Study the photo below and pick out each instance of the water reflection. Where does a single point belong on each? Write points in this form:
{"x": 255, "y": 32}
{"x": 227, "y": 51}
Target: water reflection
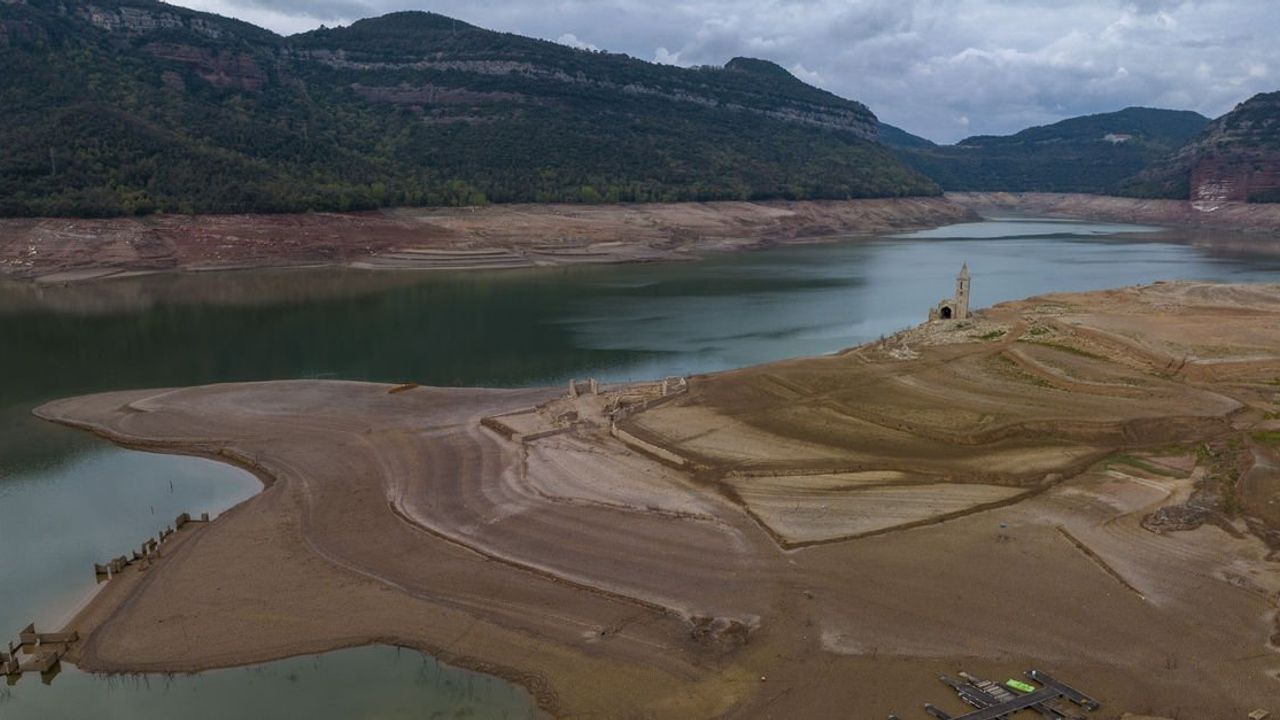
{"x": 369, "y": 682}
{"x": 94, "y": 502}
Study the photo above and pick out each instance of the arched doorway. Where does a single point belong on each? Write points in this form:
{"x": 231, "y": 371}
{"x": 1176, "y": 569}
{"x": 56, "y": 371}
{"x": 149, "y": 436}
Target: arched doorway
{"x": 946, "y": 312}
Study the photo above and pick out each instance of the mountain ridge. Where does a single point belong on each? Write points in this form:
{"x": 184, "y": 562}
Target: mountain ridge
{"x": 1089, "y": 153}
{"x": 134, "y": 106}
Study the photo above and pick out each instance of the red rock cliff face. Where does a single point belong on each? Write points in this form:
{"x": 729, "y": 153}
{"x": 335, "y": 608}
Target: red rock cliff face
{"x": 430, "y": 94}
{"x": 1236, "y": 178}
{"x": 1235, "y": 159}
{"x": 222, "y": 69}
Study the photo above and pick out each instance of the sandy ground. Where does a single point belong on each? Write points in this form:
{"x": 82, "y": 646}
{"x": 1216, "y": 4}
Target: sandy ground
{"x": 500, "y": 236}
{"x": 841, "y": 529}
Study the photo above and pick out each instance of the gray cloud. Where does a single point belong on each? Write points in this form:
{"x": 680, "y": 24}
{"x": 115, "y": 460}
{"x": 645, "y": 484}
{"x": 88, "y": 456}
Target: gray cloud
{"x": 941, "y": 68}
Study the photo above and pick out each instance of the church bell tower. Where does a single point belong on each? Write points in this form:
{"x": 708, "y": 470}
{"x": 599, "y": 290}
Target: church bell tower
{"x": 962, "y": 293}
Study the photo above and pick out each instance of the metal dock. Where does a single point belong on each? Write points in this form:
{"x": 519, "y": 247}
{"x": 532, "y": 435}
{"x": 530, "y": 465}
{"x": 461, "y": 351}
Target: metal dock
{"x": 1051, "y": 699}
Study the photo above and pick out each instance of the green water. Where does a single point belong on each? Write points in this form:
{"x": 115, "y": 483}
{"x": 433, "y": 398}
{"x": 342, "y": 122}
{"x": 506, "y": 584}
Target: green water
{"x": 67, "y": 499}
{"x": 371, "y": 682}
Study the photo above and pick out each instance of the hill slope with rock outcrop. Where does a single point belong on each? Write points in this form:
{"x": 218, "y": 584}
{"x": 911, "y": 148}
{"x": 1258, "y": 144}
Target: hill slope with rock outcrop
{"x": 1235, "y": 159}
{"x": 133, "y": 106}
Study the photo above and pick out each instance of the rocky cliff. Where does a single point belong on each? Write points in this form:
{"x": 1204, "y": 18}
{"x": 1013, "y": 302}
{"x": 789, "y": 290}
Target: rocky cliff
{"x": 1235, "y": 159}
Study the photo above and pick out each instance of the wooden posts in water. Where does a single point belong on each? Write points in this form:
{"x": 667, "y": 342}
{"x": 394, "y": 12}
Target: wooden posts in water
{"x": 146, "y": 553}
{"x": 8, "y": 666}
{"x": 41, "y": 662}
{"x": 40, "y": 658}
{"x": 185, "y": 518}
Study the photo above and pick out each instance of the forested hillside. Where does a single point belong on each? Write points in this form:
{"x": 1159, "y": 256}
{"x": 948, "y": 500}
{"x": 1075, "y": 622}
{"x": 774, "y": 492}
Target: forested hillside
{"x": 132, "y": 106}
{"x": 1090, "y": 154}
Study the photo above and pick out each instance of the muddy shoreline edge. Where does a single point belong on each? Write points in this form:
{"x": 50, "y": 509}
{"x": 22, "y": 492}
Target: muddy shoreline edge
{"x": 73, "y": 250}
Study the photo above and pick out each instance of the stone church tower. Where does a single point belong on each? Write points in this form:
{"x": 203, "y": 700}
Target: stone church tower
{"x": 957, "y": 307}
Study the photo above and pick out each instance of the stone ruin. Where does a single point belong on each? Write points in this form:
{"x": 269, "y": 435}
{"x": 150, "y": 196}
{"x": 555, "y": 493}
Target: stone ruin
{"x": 43, "y": 650}
{"x": 148, "y": 552}
{"x": 957, "y": 306}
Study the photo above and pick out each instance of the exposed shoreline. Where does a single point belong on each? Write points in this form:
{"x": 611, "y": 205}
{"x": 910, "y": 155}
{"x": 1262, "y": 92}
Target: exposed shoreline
{"x": 1260, "y": 218}
{"x": 398, "y": 518}
{"x": 68, "y": 250}
{"x": 63, "y": 250}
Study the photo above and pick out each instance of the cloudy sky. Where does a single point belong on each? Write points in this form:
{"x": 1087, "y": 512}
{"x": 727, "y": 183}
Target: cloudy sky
{"x": 943, "y": 69}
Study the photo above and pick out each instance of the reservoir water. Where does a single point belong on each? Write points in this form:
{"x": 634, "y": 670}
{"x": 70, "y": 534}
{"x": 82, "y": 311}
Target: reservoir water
{"x": 68, "y": 499}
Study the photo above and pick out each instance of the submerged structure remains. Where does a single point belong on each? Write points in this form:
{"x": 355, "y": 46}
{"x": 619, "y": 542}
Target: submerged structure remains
{"x": 956, "y": 307}
{"x": 995, "y": 700}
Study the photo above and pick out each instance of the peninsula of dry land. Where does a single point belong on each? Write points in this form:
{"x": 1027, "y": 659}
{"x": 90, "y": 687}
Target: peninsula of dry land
{"x": 1082, "y": 483}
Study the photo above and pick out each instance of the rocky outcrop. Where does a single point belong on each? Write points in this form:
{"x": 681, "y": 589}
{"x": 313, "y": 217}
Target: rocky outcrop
{"x": 429, "y": 94}
{"x": 1235, "y": 159}
{"x": 221, "y": 69}
{"x": 1242, "y": 176}
{"x": 141, "y": 20}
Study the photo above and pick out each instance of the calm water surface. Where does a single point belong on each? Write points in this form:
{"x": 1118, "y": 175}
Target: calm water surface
{"x": 67, "y": 500}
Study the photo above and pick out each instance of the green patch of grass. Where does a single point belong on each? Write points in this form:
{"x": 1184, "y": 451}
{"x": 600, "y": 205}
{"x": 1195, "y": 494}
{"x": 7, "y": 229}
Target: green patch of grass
{"x": 1038, "y": 330}
{"x": 992, "y": 335}
{"x": 1072, "y": 349}
{"x": 1126, "y": 459}
{"x": 1267, "y": 437}
{"x": 1016, "y": 370}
